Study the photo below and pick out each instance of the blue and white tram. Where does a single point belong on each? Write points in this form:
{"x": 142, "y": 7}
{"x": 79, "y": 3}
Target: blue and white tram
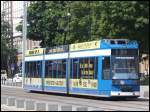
{"x": 106, "y": 68}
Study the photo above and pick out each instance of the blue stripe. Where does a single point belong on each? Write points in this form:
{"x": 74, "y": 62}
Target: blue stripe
{"x": 33, "y": 87}
{"x": 54, "y": 88}
{"x": 118, "y": 88}
{"x": 83, "y": 91}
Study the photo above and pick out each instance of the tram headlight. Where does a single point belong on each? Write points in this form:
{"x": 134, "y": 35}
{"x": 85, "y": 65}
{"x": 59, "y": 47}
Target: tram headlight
{"x": 118, "y": 82}
{"x": 122, "y": 82}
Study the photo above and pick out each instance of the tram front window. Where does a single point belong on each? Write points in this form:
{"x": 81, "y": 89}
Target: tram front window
{"x": 124, "y": 64}
{"x": 125, "y": 68}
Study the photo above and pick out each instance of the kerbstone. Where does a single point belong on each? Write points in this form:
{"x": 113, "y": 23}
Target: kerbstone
{"x": 3, "y": 100}
{"x": 20, "y": 103}
{"x": 52, "y": 107}
{"x": 30, "y": 105}
{"x": 82, "y": 109}
{"x": 11, "y": 101}
{"x": 66, "y": 108}
{"x": 40, "y": 107}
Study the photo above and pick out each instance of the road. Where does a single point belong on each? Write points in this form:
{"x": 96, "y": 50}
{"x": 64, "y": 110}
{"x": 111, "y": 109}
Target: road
{"x": 102, "y": 103}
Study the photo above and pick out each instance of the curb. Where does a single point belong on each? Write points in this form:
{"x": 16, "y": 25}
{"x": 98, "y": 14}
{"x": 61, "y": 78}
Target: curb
{"x": 19, "y": 104}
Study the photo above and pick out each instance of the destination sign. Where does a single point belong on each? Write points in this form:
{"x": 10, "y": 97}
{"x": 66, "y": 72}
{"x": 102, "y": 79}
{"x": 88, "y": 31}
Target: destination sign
{"x": 34, "y": 52}
{"x": 85, "y": 46}
{"x": 57, "y": 49}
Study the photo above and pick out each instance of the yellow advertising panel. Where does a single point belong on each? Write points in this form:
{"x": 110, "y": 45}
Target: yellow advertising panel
{"x": 33, "y": 81}
{"x": 36, "y": 81}
{"x": 85, "y": 46}
{"x": 27, "y": 81}
{"x": 55, "y": 82}
{"x": 84, "y": 83}
{"x": 34, "y": 52}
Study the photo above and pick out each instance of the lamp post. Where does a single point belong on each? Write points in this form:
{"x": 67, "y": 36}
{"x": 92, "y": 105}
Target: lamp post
{"x": 68, "y": 14}
{"x": 68, "y": 77}
{"x": 24, "y": 39}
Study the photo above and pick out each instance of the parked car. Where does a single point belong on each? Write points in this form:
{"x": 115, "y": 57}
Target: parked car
{"x": 3, "y": 74}
{"x": 17, "y": 77}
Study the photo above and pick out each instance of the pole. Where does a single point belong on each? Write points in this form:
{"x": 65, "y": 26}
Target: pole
{"x": 68, "y": 75}
{"x": 24, "y": 40}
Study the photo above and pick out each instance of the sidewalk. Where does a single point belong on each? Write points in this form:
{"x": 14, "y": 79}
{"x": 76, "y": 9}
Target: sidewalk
{"x": 144, "y": 92}
{"x": 11, "y": 108}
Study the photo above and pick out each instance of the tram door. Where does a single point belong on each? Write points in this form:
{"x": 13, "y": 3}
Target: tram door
{"x": 33, "y": 71}
{"x": 105, "y": 77}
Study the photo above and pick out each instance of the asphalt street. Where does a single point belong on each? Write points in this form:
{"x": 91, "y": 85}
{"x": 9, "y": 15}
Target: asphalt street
{"x": 102, "y": 103}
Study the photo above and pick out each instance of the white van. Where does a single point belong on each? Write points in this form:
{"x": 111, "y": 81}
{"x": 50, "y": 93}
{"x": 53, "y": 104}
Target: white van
{"x": 17, "y": 77}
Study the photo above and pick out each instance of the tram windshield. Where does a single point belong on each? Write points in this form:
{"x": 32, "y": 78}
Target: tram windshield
{"x": 125, "y": 66}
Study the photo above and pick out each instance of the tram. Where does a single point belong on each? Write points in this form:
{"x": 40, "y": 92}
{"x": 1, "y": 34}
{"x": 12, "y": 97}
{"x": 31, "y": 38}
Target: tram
{"x": 104, "y": 68}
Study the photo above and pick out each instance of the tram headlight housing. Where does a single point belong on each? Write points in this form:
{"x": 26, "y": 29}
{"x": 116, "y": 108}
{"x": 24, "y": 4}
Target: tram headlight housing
{"x": 122, "y": 82}
{"x": 116, "y": 82}
{"x": 136, "y": 82}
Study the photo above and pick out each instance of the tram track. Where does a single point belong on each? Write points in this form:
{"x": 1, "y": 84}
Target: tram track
{"x": 103, "y": 104}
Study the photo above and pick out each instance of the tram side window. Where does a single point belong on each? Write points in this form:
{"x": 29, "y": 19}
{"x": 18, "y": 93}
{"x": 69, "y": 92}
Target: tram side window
{"x": 48, "y": 69}
{"x": 33, "y": 69}
{"x": 106, "y": 68}
{"x": 55, "y": 69}
{"x": 29, "y": 69}
{"x": 85, "y": 68}
{"x": 88, "y": 68}
{"x": 83, "y": 74}
{"x": 26, "y": 69}
{"x": 38, "y": 70}
{"x": 54, "y": 72}
{"x": 63, "y": 69}
{"x": 74, "y": 68}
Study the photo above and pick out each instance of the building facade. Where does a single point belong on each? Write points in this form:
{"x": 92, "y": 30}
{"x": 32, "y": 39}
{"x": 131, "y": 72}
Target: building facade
{"x": 14, "y": 15}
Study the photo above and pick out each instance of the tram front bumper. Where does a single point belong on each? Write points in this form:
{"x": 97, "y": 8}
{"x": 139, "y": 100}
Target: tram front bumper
{"x": 119, "y": 93}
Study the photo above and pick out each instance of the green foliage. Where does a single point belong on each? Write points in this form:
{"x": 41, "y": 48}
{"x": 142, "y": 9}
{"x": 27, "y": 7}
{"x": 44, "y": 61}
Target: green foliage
{"x": 8, "y": 53}
{"x": 145, "y": 81}
{"x": 88, "y": 20}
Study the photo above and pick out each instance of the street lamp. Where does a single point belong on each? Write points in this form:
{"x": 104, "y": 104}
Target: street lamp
{"x": 68, "y": 15}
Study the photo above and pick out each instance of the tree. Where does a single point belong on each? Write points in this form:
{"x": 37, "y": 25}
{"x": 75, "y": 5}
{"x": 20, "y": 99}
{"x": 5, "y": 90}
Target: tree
{"x": 131, "y": 18}
{"x": 8, "y": 54}
{"x": 89, "y": 20}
